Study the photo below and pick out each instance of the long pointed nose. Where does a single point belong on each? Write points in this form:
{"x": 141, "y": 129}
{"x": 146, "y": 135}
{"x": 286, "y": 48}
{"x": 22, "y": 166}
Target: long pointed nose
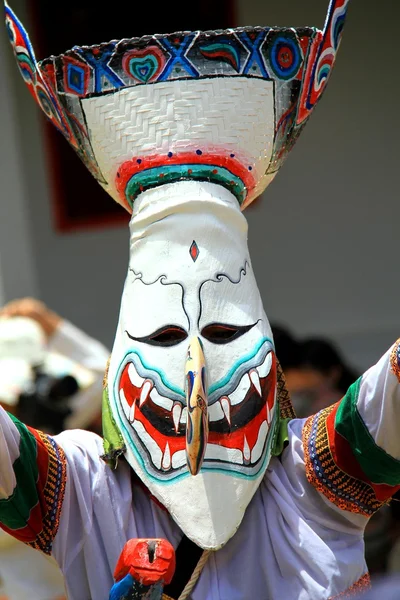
{"x": 196, "y": 399}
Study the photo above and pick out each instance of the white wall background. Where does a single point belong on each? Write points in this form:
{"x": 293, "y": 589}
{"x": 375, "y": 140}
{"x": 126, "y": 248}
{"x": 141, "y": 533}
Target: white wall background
{"x": 324, "y": 239}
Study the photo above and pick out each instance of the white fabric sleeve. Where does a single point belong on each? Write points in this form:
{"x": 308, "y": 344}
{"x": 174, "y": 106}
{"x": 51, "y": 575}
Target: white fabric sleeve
{"x": 32, "y": 483}
{"x": 352, "y": 448}
{"x": 95, "y": 498}
{"x": 9, "y": 452}
{"x": 378, "y": 401}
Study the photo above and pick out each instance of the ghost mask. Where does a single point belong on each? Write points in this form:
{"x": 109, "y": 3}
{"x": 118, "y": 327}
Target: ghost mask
{"x": 185, "y": 131}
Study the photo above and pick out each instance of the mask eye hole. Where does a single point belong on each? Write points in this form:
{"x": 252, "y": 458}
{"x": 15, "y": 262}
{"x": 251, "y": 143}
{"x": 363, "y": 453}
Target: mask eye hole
{"x": 170, "y": 335}
{"x": 222, "y": 333}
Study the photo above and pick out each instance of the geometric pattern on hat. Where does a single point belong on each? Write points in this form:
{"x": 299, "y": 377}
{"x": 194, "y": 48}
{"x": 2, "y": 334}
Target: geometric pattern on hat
{"x": 109, "y": 80}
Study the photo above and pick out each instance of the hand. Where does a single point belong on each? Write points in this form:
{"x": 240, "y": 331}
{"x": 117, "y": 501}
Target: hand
{"x": 33, "y": 309}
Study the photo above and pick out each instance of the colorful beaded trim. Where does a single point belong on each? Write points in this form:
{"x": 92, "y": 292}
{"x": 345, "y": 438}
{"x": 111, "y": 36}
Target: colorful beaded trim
{"x": 364, "y": 583}
{"x": 53, "y": 491}
{"x": 286, "y": 409}
{"x": 395, "y": 359}
{"x": 343, "y": 490}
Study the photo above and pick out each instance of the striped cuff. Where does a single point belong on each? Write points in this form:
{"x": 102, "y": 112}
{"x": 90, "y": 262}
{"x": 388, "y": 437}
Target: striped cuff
{"x": 343, "y": 462}
{"x": 32, "y": 513}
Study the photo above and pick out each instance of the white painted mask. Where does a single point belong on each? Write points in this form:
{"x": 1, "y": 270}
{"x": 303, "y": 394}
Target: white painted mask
{"x": 185, "y": 130}
{"x": 191, "y": 269}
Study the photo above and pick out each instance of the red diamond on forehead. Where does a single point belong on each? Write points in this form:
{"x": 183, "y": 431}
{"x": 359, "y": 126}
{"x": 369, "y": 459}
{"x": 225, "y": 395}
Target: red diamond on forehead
{"x": 194, "y": 251}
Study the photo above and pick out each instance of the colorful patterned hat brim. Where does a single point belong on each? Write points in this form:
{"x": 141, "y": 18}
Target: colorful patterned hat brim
{"x": 115, "y": 94}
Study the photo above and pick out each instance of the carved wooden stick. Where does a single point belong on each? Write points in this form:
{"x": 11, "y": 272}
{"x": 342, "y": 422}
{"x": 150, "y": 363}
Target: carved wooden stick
{"x": 196, "y": 399}
{"x": 143, "y": 568}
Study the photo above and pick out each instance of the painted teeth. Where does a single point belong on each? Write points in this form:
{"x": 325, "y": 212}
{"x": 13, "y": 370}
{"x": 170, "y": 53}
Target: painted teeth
{"x": 161, "y": 401}
{"x": 238, "y": 395}
{"x": 221, "y": 409}
{"x": 179, "y": 459}
{"x": 149, "y": 443}
{"x": 215, "y": 412}
{"x": 176, "y": 415}
{"x": 226, "y": 407}
{"x": 124, "y": 402}
{"x": 264, "y": 369}
{"x": 214, "y": 452}
{"x": 259, "y": 445}
{"x": 134, "y": 377}
{"x": 132, "y": 413}
{"x": 217, "y": 452}
{"x": 246, "y": 450}
{"x": 166, "y": 461}
{"x": 255, "y": 380}
{"x": 144, "y": 394}
{"x": 183, "y": 418}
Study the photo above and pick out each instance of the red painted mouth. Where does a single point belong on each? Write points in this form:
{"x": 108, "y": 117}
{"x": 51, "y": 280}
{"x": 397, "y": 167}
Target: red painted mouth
{"x": 238, "y": 424}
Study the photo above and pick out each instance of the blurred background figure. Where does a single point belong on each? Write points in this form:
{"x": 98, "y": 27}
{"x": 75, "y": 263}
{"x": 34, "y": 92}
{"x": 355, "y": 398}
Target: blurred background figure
{"x": 316, "y": 373}
{"x": 51, "y": 376}
{"x": 51, "y": 372}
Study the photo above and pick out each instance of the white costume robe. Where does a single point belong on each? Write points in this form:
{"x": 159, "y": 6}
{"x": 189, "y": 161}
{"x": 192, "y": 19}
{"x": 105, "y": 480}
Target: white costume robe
{"x": 301, "y": 536}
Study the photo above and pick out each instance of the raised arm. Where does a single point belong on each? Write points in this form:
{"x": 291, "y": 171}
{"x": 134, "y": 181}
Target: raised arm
{"x": 62, "y": 336}
{"x": 91, "y": 354}
{"x": 80, "y": 347}
{"x": 88, "y": 357}
{"x": 32, "y": 483}
{"x": 352, "y": 449}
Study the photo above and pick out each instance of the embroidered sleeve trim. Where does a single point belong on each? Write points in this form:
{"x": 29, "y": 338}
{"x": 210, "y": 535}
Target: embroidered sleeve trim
{"x": 363, "y": 584}
{"x": 53, "y": 492}
{"x": 286, "y": 410}
{"x": 395, "y": 360}
{"x": 349, "y": 429}
{"x": 32, "y": 513}
{"x": 342, "y": 489}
